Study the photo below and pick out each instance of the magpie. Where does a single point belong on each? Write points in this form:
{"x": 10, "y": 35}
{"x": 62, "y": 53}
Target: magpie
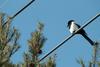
{"x": 74, "y": 27}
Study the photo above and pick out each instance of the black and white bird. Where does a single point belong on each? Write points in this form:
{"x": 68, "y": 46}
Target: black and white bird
{"x": 74, "y": 27}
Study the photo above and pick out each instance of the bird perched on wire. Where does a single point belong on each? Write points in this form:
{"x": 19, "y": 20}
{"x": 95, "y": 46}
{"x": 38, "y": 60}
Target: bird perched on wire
{"x": 74, "y": 27}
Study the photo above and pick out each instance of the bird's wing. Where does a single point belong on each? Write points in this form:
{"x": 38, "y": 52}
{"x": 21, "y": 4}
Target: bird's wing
{"x": 82, "y": 31}
{"x": 78, "y": 25}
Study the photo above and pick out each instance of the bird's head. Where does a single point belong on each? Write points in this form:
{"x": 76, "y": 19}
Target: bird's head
{"x": 69, "y": 23}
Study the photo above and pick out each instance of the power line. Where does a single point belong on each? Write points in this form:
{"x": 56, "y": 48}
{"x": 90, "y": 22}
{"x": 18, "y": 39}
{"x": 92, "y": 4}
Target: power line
{"x": 22, "y": 9}
{"x": 69, "y": 37}
{"x": 17, "y": 13}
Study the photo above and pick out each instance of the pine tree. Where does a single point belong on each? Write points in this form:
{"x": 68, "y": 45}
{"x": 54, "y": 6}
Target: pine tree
{"x": 8, "y": 41}
{"x": 36, "y": 43}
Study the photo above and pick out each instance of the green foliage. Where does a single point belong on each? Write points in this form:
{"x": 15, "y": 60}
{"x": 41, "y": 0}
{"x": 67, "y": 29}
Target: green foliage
{"x": 37, "y": 40}
{"x": 51, "y": 62}
{"x": 9, "y": 45}
{"x": 81, "y": 62}
{"x": 96, "y": 55}
{"x": 8, "y": 40}
{"x": 36, "y": 43}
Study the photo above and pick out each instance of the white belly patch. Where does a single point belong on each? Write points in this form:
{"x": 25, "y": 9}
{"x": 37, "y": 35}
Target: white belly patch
{"x": 73, "y": 28}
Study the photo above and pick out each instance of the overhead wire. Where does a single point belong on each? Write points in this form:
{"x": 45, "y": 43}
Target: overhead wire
{"x": 69, "y": 37}
{"x": 17, "y": 13}
{"x": 22, "y": 9}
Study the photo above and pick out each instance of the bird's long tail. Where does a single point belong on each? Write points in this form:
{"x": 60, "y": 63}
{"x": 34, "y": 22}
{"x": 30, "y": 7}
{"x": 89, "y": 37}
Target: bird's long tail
{"x": 88, "y": 39}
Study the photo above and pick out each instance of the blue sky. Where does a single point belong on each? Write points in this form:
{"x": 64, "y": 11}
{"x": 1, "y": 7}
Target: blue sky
{"x": 55, "y": 14}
